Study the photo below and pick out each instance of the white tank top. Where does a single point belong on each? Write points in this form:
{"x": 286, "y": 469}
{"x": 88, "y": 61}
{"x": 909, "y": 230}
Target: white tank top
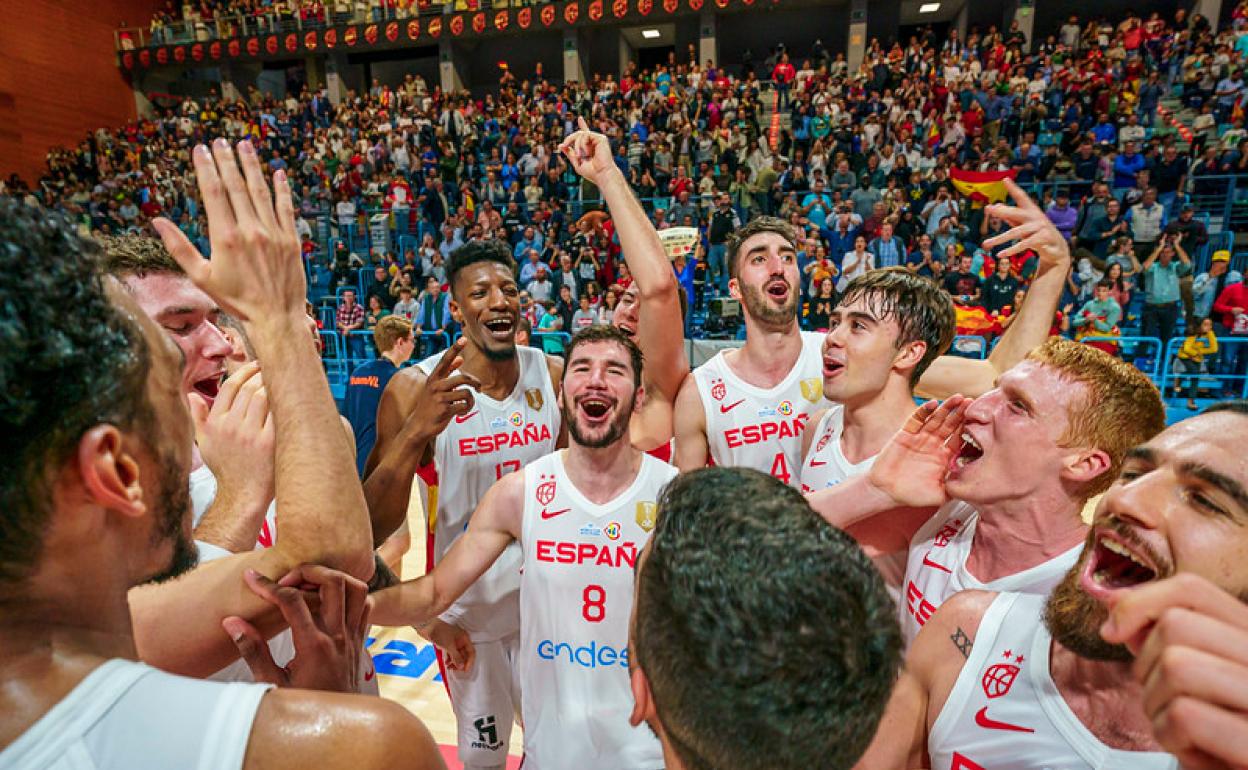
{"x": 826, "y": 466}
{"x": 936, "y": 567}
{"x": 204, "y": 491}
{"x": 129, "y": 715}
{"x": 471, "y": 454}
{"x": 576, "y": 596}
{"x": 758, "y": 428}
{"x": 1005, "y": 711}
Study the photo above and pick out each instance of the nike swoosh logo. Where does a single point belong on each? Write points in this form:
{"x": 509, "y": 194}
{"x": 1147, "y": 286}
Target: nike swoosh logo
{"x": 818, "y": 463}
{"x": 552, "y": 514}
{"x": 927, "y": 562}
{"x": 726, "y": 408}
{"x": 981, "y": 719}
{"x": 369, "y": 676}
{"x": 466, "y": 417}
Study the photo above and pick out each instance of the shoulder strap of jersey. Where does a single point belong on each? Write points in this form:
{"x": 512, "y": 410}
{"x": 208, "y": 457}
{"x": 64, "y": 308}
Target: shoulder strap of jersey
{"x": 990, "y": 628}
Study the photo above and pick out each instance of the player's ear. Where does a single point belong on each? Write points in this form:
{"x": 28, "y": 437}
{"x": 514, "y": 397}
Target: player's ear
{"x": 456, "y": 315}
{"x": 109, "y": 472}
{"x": 1084, "y": 465}
{"x": 910, "y": 355}
{"x": 643, "y": 702}
{"x": 734, "y": 288}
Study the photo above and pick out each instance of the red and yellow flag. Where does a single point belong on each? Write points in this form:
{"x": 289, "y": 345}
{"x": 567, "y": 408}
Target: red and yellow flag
{"x": 982, "y": 187}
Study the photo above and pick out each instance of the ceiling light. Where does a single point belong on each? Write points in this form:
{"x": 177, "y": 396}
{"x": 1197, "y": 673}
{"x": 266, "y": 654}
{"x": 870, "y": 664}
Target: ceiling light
{"x": 929, "y": 8}
{"x": 651, "y": 34}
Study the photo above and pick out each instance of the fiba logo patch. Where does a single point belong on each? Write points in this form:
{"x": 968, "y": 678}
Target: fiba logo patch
{"x": 517, "y": 419}
{"x": 785, "y": 408}
{"x": 545, "y": 489}
{"x": 612, "y": 530}
{"x": 487, "y": 734}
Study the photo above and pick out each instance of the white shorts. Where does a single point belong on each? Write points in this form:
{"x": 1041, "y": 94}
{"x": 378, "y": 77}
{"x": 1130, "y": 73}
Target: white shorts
{"x": 486, "y": 702}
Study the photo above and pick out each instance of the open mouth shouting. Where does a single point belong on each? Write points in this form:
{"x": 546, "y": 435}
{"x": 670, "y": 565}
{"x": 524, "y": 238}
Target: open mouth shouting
{"x": 1115, "y": 564}
{"x": 209, "y": 387}
{"x": 832, "y": 368}
{"x": 595, "y": 410}
{"x": 628, "y": 329}
{"x": 500, "y": 329}
{"x": 971, "y": 451}
{"x": 778, "y": 289}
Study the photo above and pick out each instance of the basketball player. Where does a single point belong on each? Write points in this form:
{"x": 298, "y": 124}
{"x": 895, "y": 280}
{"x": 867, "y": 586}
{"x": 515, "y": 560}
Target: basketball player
{"x": 987, "y": 493}
{"x": 750, "y": 406}
{"x": 479, "y": 411}
{"x": 761, "y": 637}
{"x": 95, "y": 502}
{"x": 581, "y": 516}
{"x": 1065, "y": 695}
{"x": 890, "y": 329}
{"x": 649, "y": 310}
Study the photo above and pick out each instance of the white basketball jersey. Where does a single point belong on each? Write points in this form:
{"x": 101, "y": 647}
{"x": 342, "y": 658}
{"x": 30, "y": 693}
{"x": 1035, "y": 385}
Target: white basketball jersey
{"x": 204, "y": 492}
{"x": 826, "y": 465}
{"x": 576, "y": 597}
{"x": 127, "y": 714}
{"x": 1004, "y": 710}
{"x": 936, "y": 567}
{"x": 752, "y": 427}
{"x": 471, "y": 454}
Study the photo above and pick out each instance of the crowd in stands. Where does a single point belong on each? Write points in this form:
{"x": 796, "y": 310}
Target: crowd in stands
{"x": 861, "y": 165}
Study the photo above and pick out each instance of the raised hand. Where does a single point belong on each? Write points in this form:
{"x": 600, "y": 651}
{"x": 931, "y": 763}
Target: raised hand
{"x": 328, "y": 613}
{"x": 256, "y": 268}
{"x": 589, "y": 153}
{"x": 444, "y": 395}
{"x": 1190, "y": 641}
{"x": 1030, "y": 228}
{"x": 912, "y": 466}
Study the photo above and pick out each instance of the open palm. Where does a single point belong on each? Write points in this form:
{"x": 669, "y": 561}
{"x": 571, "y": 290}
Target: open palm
{"x": 911, "y": 468}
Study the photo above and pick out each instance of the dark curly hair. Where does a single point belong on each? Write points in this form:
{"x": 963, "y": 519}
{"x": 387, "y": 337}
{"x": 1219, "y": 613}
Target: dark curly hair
{"x": 69, "y": 360}
{"x": 766, "y": 634}
{"x": 478, "y": 251}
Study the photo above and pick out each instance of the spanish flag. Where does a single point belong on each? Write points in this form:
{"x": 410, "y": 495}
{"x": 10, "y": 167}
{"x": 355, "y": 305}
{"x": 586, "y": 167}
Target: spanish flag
{"x": 933, "y": 133}
{"x": 982, "y": 187}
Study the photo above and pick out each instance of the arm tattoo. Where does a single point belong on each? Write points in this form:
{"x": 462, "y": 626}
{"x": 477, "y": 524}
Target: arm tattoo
{"x": 963, "y": 642}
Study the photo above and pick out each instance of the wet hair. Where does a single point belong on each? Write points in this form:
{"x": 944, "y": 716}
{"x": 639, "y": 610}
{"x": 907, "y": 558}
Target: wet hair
{"x": 69, "y": 360}
{"x": 604, "y": 333}
{"x": 749, "y": 604}
{"x": 478, "y": 251}
{"x": 922, "y": 310}
{"x": 755, "y": 226}
{"x": 137, "y": 255}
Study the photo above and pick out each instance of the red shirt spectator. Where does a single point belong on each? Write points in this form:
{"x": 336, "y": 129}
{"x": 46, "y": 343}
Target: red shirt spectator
{"x": 1231, "y": 302}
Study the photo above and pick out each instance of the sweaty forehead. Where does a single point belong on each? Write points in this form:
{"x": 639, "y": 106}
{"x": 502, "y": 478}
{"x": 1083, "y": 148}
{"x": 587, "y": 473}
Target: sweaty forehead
{"x": 159, "y": 343}
{"x": 1214, "y": 439}
{"x": 766, "y": 240}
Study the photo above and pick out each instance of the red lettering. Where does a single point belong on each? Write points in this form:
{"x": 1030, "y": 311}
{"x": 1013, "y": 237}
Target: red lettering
{"x": 566, "y": 552}
{"x": 483, "y": 445}
{"x": 757, "y": 434}
{"x": 543, "y": 550}
{"x": 960, "y": 762}
{"x": 920, "y": 608}
{"x": 586, "y": 551}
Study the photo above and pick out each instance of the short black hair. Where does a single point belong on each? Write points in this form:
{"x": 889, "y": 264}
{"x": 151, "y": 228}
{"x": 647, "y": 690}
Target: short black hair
{"x": 763, "y": 224}
{"x": 922, "y": 310}
{"x": 766, "y": 634}
{"x": 605, "y": 333}
{"x": 473, "y": 252}
{"x": 69, "y": 360}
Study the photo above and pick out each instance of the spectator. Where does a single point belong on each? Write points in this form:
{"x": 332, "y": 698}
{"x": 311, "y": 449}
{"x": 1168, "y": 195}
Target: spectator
{"x": 1062, "y": 214}
{"x": 550, "y": 324}
{"x": 350, "y": 318}
{"x": 541, "y": 289}
{"x": 1208, "y": 286}
{"x": 1192, "y": 360}
{"x": 822, "y": 305}
{"x": 999, "y": 288}
{"x": 1147, "y": 219}
{"x": 376, "y": 311}
{"x": 584, "y": 316}
{"x": 394, "y": 343}
{"x": 889, "y": 250}
{"x": 379, "y": 287}
{"x": 1099, "y": 317}
{"x": 963, "y": 285}
{"x": 407, "y": 306}
{"x": 855, "y": 263}
{"x": 1161, "y": 285}
{"x": 433, "y": 314}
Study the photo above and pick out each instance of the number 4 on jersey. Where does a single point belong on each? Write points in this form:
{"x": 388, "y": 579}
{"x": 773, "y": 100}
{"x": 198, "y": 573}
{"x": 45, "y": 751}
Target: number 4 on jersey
{"x": 780, "y": 468}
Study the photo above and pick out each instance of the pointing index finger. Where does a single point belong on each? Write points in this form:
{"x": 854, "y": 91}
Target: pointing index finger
{"x": 449, "y": 361}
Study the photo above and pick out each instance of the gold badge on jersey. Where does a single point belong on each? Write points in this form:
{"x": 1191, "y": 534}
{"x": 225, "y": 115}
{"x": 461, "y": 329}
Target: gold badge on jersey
{"x": 645, "y": 514}
{"x": 534, "y": 398}
{"x": 812, "y": 389}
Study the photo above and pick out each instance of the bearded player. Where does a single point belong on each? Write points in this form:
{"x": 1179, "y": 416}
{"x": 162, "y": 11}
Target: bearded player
{"x": 581, "y": 515}
{"x": 750, "y": 406}
{"x": 649, "y": 309}
{"x": 477, "y": 412}
{"x": 1016, "y": 680}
